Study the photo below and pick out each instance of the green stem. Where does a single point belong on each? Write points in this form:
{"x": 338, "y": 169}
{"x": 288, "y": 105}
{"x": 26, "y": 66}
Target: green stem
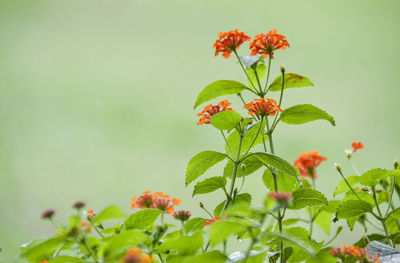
{"x": 252, "y": 243}
{"x": 269, "y": 69}
{"x": 254, "y": 140}
{"x": 227, "y": 143}
{"x": 245, "y": 72}
{"x": 381, "y": 218}
{"x": 391, "y": 196}
{"x": 274, "y": 123}
{"x": 344, "y": 178}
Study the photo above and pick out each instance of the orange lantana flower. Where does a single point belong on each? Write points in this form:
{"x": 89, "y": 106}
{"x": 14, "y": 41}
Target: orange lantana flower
{"x": 266, "y": 44}
{"x": 357, "y": 146}
{"x": 136, "y": 255}
{"x": 262, "y": 107}
{"x": 157, "y": 200}
{"x": 229, "y": 41}
{"x": 210, "y": 110}
{"x": 307, "y": 162}
{"x": 280, "y": 197}
{"x": 213, "y": 220}
{"x": 361, "y": 254}
{"x": 90, "y": 213}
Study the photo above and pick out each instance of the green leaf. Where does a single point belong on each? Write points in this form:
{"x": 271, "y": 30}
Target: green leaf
{"x": 194, "y": 224}
{"x": 209, "y": 185}
{"x": 119, "y": 243}
{"x": 252, "y": 164}
{"x": 285, "y": 182}
{"x": 278, "y": 163}
{"x": 244, "y": 198}
{"x": 373, "y": 177}
{"x": 307, "y": 197}
{"x": 226, "y": 120}
{"x": 66, "y": 259}
{"x": 209, "y": 257}
{"x": 217, "y": 89}
{"x": 248, "y": 139}
{"x": 183, "y": 244}
{"x": 304, "y": 113}
{"x": 200, "y": 163}
{"x": 108, "y": 214}
{"x": 43, "y": 249}
{"x": 292, "y": 80}
{"x": 343, "y": 187}
{"x": 352, "y": 208}
{"x": 221, "y": 230}
{"x": 366, "y": 197}
{"x": 261, "y": 69}
{"x": 323, "y": 220}
{"x": 142, "y": 219}
{"x": 323, "y": 256}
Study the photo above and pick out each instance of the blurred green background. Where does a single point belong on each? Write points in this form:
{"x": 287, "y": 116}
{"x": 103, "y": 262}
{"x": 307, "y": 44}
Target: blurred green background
{"x": 97, "y": 97}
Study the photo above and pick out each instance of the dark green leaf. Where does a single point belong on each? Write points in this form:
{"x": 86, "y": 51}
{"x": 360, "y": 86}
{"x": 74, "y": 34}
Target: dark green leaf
{"x": 353, "y": 208}
{"x": 343, "y": 187}
{"x": 142, "y": 219}
{"x": 252, "y": 164}
{"x": 108, "y": 214}
{"x": 292, "y": 80}
{"x": 209, "y": 185}
{"x": 307, "y": 197}
{"x": 200, "y": 163}
{"x": 217, "y": 89}
{"x": 226, "y": 120}
{"x": 304, "y": 113}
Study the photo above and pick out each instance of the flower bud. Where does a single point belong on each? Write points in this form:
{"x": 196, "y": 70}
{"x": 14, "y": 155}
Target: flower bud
{"x": 48, "y": 214}
{"x": 78, "y": 205}
{"x": 201, "y": 205}
{"x": 348, "y": 153}
{"x": 396, "y": 164}
{"x": 283, "y": 69}
{"x": 182, "y": 215}
{"x": 338, "y": 168}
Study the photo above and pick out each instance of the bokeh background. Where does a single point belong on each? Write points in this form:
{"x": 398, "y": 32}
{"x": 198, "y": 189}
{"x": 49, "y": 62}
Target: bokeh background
{"x": 97, "y": 97}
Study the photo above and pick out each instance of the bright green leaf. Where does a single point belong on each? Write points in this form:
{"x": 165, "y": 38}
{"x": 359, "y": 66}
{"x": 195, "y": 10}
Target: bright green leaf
{"x": 142, "y": 219}
{"x": 226, "y": 120}
{"x": 119, "y": 243}
{"x": 373, "y": 177}
{"x": 304, "y": 113}
{"x": 200, "y": 163}
{"x": 217, "y": 89}
{"x": 307, "y": 197}
{"x": 209, "y": 185}
{"x": 252, "y": 164}
{"x": 66, "y": 259}
{"x": 108, "y": 214}
{"x": 248, "y": 139}
{"x": 183, "y": 244}
{"x": 221, "y": 230}
{"x": 353, "y": 208}
{"x": 278, "y": 163}
{"x": 343, "y": 187}
{"x": 209, "y": 257}
{"x": 292, "y": 80}
{"x": 261, "y": 69}
{"x": 194, "y": 224}
{"x": 244, "y": 198}
{"x": 43, "y": 249}
{"x": 285, "y": 182}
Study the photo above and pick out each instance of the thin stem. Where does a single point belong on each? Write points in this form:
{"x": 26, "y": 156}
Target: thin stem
{"x": 269, "y": 133}
{"x": 383, "y": 220}
{"x": 258, "y": 80}
{"x": 227, "y": 143}
{"x": 351, "y": 188}
{"x": 255, "y": 138}
{"x": 252, "y": 243}
{"x": 274, "y": 123}
{"x": 269, "y": 69}
{"x": 354, "y": 167}
{"x": 245, "y": 72}
{"x": 391, "y": 196}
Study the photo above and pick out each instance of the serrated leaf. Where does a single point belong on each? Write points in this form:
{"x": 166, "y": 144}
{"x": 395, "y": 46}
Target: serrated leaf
{"x": 248, "y": 138}
{"x": 343, "y": 187}
{"x": 209, "y": 185}
{"x": 373, "y": 177}
{"x": 304, "y": 113}
{"x": 226, "y": 120}
{"x": 363, "y": 196}
{"x": 119, "y": 243}
{"x": 261, "y": 69}
{"x": 244, "y": 198}
{"x": 352, "y": 208}
{"x": 200, "y": 163}
{"x": 142, "y": 219}
{"x": 194, "y": 224}
{"x": 323, "y": 220}
{"x": 285, "y": 182}
{"x": 277, "y": 163}
{"x": 108, "y": 214}
{"x": 40, "y": 251}
{"x": 307, "y": 197}
{"x": 252, "y": 164}
{"x": 221, "y": 230}
{"x": 292, "y": 80}
{"x": 217, "y": 89}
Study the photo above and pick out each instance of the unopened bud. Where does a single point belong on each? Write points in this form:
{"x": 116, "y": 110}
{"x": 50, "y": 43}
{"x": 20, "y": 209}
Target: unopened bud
{"x": 201, "y": 205}
{"x": 348, "y": 153}
{"x": 78, "y": 205}
{"x": 243, "y": 167}
{"x": 396, "y": 164}
{"x": 283, "y": 69}
{"x": 338, "y": 167}
{"x": 48, "y": 214}
{"x": 235, "y": 191}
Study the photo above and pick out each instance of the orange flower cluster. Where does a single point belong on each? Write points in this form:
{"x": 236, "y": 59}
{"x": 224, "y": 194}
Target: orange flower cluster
{"x": 229, "y": 41}
{"x": 262, "y": 107}
{"x": 135, "y": 255}
{"x": 86, "y": 224}
{"x": 357, "y": 146}
{"x": 210, "y": 110}
{"x": 360, "y": 253}
{"x": 157, "y": 200}
{"x": 182, "y": 215}
{"x": 90, "y": 213}
{"x": 307, "y": 162}
{"x": 214, "y": 219}
{"x": 280, "y": 197}
{"x": 266, "y": 44}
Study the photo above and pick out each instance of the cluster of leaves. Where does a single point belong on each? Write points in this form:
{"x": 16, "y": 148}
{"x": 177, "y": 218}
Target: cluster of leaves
{"x": 275, "y": 231}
